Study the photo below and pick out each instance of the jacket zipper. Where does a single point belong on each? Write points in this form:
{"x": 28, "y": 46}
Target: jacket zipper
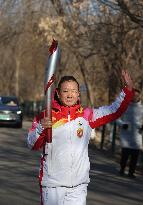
{"x": 69, "y": 118}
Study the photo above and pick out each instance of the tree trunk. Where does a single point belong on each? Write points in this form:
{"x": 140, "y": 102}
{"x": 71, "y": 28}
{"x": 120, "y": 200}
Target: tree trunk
{"x": 17, "y": 76}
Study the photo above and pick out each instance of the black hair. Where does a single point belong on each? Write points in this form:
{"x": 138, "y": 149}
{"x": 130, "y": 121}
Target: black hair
{"x": 67, "y": 78}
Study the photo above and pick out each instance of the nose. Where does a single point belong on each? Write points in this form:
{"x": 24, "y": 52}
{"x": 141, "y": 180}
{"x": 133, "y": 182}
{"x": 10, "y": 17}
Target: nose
{"x": 69, "y": 94}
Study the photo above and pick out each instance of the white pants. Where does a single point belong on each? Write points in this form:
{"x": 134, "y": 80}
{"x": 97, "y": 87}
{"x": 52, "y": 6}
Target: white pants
{"x": 64, "y": 196}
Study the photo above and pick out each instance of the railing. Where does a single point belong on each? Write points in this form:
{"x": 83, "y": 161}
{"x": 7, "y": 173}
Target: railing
{"x": 107, "y": 137}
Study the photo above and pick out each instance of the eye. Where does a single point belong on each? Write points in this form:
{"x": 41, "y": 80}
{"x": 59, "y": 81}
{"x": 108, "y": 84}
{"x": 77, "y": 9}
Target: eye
{"x": 75, "y": 91}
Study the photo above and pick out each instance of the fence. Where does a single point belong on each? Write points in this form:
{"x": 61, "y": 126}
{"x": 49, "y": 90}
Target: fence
{"x": 31, "y": 108}
{"x": 106, "y": 137}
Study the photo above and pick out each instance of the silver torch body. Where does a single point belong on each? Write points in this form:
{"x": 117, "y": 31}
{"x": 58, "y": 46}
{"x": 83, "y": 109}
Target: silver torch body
{"x": 51, "y": 66}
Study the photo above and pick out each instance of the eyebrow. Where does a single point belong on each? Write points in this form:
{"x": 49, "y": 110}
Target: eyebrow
{"x": 69, "y": 89}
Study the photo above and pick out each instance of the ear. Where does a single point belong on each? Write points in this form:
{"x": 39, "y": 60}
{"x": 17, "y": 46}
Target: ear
{"x": 58, "y": 94}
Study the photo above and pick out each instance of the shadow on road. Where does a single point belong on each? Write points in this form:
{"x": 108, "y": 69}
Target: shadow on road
{"x": 18, "y": 173}
{"x": 107, "y": 187}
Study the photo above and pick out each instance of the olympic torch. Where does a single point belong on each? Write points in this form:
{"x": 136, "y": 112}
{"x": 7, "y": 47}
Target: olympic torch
{"x": 54, "y": 53}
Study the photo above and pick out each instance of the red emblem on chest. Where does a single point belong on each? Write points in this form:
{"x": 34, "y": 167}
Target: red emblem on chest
{"x": 80, "y": 132}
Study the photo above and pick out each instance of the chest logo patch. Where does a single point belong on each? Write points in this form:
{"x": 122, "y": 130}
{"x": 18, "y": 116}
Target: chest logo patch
{"x": 80, "y": 130}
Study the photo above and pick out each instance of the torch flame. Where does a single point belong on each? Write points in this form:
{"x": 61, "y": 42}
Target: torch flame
{"x": 53, "y": 47}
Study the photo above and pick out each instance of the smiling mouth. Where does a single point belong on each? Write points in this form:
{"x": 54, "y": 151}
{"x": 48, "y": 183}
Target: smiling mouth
{"x": 69, "y": 101}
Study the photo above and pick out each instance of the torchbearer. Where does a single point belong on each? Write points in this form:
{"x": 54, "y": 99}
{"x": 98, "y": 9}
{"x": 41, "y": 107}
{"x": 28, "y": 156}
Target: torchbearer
{"x": 49, "y": 80}
{"x": 64, "y": 168}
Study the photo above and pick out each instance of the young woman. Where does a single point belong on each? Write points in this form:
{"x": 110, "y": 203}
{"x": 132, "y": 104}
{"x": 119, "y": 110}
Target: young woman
{"x": 64, "y": 170}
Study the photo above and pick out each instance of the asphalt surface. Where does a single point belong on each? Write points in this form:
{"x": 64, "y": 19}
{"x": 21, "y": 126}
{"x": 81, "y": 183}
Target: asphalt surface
{"x": 19, "y": 174}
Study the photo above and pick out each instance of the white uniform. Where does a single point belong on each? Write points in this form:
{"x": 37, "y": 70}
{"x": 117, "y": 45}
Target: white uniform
{"x": 64, "y": 170}
{"x": 133, "y": 117}
{"x": 65, "y": 195}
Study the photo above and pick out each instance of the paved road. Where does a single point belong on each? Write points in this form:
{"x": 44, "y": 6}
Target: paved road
{"x": 107, "y": 187}
{"x": 19, "y": 171}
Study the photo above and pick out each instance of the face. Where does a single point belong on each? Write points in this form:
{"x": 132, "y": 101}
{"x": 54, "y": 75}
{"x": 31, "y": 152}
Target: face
{"x": 69, "y": 93}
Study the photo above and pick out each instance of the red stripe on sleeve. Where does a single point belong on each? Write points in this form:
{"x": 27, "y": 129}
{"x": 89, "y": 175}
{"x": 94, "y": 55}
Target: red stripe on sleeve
{"x": 40, "y": 141}
{"x": 111, "y": 117}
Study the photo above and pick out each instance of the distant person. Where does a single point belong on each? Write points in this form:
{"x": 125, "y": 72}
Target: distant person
{"x": 64, "y": 171}
{"x": 131, "y": 124}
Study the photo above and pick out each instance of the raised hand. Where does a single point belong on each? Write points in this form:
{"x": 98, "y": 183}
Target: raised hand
{"x": 127, "y": 79}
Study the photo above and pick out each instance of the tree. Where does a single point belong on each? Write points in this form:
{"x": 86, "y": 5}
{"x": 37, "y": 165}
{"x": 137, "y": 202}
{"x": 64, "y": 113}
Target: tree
{"x": 97, "y": 40}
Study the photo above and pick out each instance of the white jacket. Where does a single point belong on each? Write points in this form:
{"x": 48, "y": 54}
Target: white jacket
{"x": 133, "y": 117}
{"x": 65, "y": 161}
